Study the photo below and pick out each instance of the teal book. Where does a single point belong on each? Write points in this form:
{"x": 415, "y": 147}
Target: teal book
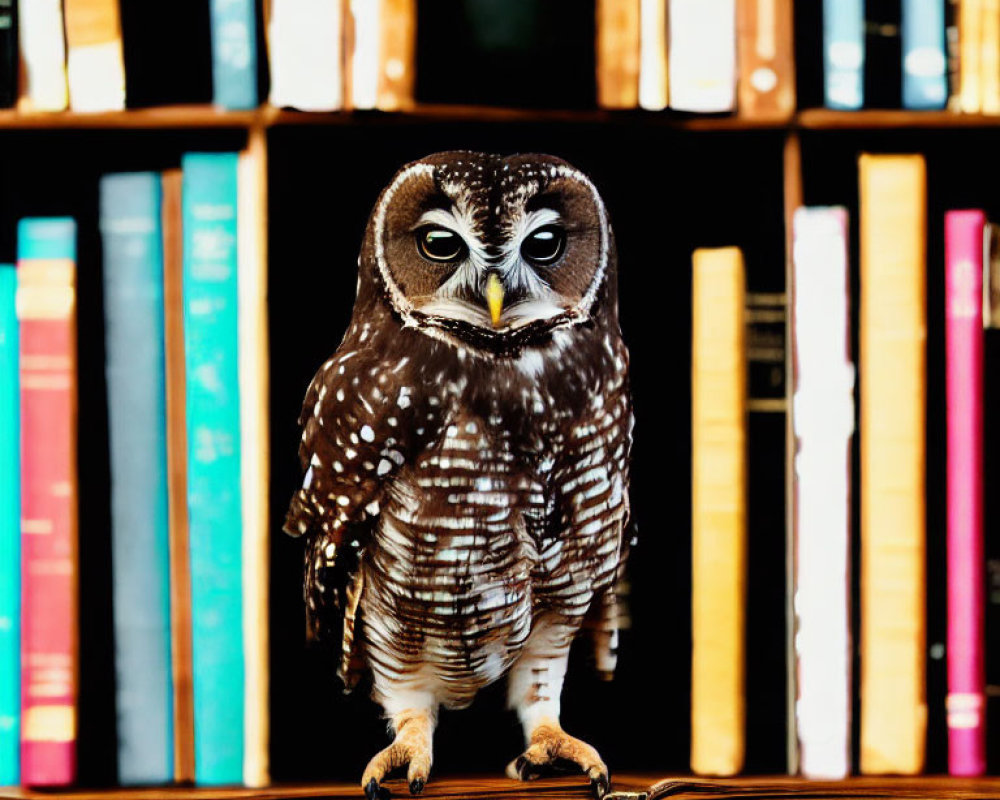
{"x": 213, "y": 454}
{"x": 133, "y": 325}
{"x": 925, "y": 58}
{"x": 843, "y": 53}
{"x": 234, "y": 53}
{"x": 10, "y": 533}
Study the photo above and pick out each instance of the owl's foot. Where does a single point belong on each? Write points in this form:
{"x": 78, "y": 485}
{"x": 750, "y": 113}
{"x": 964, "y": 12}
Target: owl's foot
{"x": 411, "y": 748}
{"x": 552, "y": 750}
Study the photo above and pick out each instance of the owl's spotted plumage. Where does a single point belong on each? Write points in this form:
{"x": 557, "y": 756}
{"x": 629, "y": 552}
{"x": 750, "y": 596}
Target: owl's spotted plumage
{"x": 466, "y": 451}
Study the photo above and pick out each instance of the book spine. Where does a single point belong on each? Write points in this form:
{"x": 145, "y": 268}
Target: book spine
{"x": 9, "y": 55}
{"x": 46, "y": 310}
{"x": 43, "y": 55}
{"x": 970, "y": 35}
{"x": 719, "y": 511}
{"x": 989, "y": 57}
{"x": 10, "y": 533}
{"x": 213, "y": 459}
{"x": 94, "y": 62}
{"x": 133, "y": 313}
{"x": 180, "y": 568}
{"x": 703, "y": 55}
{"x": 397, "y": 55}
{"x": 234, "y": 53}
{"x": 893, "y": 413}
{"x": 618, "y": 53}
{"x": 766, "y": 59}
{"x": 653, "y": 83}
{"x": 966, "y": 699}
{"x": 823, "y": 425}
{"x": 925, "y": 60}
{"x": 843, "y": 53}
{"x": 366, "y": 24}
{"x": 305, "y": 48}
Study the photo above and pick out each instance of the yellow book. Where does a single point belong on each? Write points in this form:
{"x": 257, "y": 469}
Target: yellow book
{"x": 970, "y": 30}
{"x": 718, "y": 511}
{"x": 989, "y": 57}
{"x": 893, "y": 388}
{"x": 618, "y": 53}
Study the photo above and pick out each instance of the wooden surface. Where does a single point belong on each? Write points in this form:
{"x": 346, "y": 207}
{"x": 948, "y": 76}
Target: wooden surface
{"x": 624, "y": 787}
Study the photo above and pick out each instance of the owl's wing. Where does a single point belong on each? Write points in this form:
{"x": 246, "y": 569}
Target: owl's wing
{"x": 351, "y": 446}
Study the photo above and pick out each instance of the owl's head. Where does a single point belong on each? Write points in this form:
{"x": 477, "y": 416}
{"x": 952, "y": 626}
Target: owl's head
{"x": 488, "y": 252}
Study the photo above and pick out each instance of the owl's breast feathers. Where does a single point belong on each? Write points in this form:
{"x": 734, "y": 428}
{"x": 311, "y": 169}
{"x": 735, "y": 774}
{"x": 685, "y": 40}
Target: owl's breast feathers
{"x": 560, "y": 416}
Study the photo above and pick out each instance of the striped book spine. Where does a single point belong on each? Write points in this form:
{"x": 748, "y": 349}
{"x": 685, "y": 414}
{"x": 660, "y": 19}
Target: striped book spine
{"x": 966, "y": 700}
{"x": 213, "y": 458}
{"x": 234, "y": 53}
{"x": 133, "y": 311}
{"x": 843, "y": 53}
{"x": 46, "y": 309}
{"x": 10, "y": 533}
{"x": 823, "y": 424}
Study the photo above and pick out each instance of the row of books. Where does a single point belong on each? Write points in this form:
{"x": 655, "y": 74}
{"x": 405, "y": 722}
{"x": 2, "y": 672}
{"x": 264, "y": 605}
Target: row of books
{"x": 893, "y": 415}
{"x": 183, "y": 285}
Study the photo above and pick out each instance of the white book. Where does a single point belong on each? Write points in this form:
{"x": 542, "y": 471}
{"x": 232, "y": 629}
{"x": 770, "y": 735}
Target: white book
{"x": 653, "y": 55}
{"x": 366, "y": 15}
{"x": 703, "y": 55}
{"x": 306, "y": 49}
{"x": 94, "y": 59}
{"x": 823, "y": 424}
{"x": 43, "y": 55}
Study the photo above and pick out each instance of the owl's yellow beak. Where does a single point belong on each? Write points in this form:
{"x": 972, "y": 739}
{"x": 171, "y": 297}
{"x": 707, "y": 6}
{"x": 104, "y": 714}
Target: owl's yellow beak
{"x": 494, "y": 297}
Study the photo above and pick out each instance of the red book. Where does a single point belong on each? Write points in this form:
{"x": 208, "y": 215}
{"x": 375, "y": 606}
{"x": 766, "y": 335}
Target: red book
{"x": 46, "y": 310}
{"x": 966, "y": 701}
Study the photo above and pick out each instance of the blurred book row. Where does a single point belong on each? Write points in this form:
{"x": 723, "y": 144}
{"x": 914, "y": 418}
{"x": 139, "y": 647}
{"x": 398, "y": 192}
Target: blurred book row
{"x": 892, "y": 320}
{"x": 185, "y": 398}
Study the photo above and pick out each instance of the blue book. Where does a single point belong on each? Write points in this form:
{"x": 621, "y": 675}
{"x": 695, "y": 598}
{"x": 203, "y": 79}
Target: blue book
{"x": 234, "y": 53}
{"x": 213, "y": 454}
{"x": 925, "y": 58}
{"x": 843, "y": 53}
{"x": 10, "y": 533}
{"x": 133, "y": 315}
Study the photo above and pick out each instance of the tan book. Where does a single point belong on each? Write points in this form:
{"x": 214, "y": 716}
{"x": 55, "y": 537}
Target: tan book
{"x": 893, "y": 387}
{"x": 718, "y": 511}
{"x": 653, "y": 82}
{"x": 970, "y": 34}
{"x": 618, "y": 47}
{"x": 94, "y": 55}
{"x": 989, "y": 57}
{"x": 254, "y": 449}
{"x": 397, "y": 55}
{"x": 766, "y": 58}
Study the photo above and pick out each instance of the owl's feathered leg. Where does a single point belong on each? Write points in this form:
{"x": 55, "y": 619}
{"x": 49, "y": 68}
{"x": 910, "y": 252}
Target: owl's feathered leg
{"x": 534, "y": 688}
{"x": 411, "y": 746}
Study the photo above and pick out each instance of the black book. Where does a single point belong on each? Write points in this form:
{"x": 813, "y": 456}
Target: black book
{"x": 8, "y": 53}
{"x": 883, "y": 54}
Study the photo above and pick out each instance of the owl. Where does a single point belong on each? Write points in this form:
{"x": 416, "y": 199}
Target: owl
{"x": 466, "y": 455}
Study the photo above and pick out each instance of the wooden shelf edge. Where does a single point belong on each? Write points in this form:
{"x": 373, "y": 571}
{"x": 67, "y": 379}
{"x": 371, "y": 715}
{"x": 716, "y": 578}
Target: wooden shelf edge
{"x": 894, "y": 118}
{"x": 199, "y": 116}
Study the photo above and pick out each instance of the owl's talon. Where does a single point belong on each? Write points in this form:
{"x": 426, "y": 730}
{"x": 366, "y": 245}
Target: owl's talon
{"x": 375, "y": 792}
{"x": 599, "y": 783}
{"x": 417, "y": 786}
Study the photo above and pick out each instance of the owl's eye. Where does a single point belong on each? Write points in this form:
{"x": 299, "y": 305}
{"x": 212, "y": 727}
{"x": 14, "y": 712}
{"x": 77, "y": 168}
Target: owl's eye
{"x": 440, "y": 244}
{"x": 544, "y": 245}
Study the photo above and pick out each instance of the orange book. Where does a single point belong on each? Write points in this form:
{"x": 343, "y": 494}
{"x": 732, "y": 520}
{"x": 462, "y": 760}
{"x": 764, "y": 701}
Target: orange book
{"x": 766, "y": 58}
{"x": 970, "y": 35}
{"x": 893, "y": 408}
{"x": 989, "y": 57}
{"x": 94, "y": 55}
{"x": 180, "y": 571}
{"x": 397, "y": 54}
{"x": 618, "y": 40}
{"x": 718, "y": 511}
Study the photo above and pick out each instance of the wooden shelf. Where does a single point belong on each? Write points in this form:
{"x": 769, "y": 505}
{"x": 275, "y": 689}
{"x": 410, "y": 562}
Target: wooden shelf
{"x": 878, "y": 119}
{"x": 162, "y": 117}
{"x": 626, "y": 787}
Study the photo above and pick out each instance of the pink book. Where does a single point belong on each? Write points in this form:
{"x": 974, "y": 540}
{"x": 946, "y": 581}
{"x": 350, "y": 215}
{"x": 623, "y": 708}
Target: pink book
{"x": 966, "y": 700}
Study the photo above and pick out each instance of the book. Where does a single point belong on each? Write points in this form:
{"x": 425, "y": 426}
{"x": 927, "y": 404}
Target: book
{"x": 214, "y": 501}
{"x": 10, "y": 533}
{"x": 95, "y": 67}
{"x": 703, "y": 55}
{"x": 133, "y": 313}
{"x": 766, "y": 58}
{"x": 9, "y": 55}
{"x": 823, "y": 426}
{"x": 966, "y": 700}
{"x": 234, "y": 53}
{"x": 46, "y": 309}
{"x": 254, "y": 434}
{"x": 618, "y": 28}
{"x": 883, "y": 72}
{"x": 397, "y": 55}
{"x": 43, "y": 55}
{"x": 893, "y": 411}
{"x": 989, "y": 57}
{"x": 843, "y": 54}
{"x": 925, "y": 59}
{"x": 718, "y": 511}
{"x": 176, "y": 433}
{"x": 653, "y": 84}
{"x": 305, "y": 54}
{"x": 970, "y": 37}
